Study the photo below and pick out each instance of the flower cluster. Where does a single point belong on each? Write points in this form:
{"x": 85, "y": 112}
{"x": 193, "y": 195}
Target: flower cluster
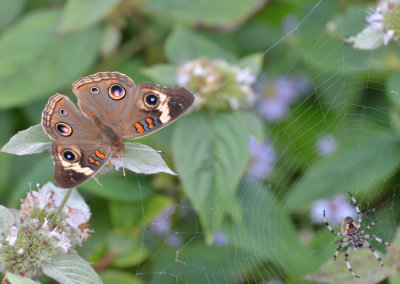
{"x": 218, "y": 84}
{"x": 274, "y": 96}
{"x": 383, "y": 26}
{"x": 36, "y": 233}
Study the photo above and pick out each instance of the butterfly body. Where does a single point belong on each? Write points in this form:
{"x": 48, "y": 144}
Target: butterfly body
{"x": 112, "y": 109}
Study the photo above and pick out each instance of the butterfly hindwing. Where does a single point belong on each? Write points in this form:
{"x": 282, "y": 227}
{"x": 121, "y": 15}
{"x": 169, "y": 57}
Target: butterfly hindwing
{"x": 74, "y": 164}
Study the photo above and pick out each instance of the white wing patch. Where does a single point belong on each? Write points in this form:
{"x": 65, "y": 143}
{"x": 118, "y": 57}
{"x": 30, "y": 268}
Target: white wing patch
{"x": 163, "y": 107}
{"x": 76, "y": 167}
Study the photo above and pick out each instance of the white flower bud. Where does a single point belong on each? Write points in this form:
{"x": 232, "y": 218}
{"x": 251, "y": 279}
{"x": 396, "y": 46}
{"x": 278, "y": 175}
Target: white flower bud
{"x": 12, "y": 236}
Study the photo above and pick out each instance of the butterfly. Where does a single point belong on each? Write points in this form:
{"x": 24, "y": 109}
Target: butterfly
{"x": 112, "y": 109}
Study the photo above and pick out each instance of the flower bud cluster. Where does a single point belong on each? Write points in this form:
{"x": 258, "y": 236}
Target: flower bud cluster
{"x": 383, "y": 26}
{"x": 35, "y": 233}
{"x": 218, "y": 84}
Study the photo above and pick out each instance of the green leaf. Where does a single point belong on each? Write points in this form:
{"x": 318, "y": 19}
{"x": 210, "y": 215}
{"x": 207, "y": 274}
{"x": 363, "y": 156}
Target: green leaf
{"x": 393, "y": 257}
{"x": 356, "y": 167}
{"x": 368, "y": 39}
{"x": 40, "y": 172}
{"x": 6, "y": 218}
{"x": 70, "y": 269}
{"x": 118, "y": 189}
{"x": 394, "y": 279}
{"x": 221, "y": 14}
{"x": 327, "y": 86}
{"x": 163, "y": 74}
{"x": 395, "y": 120}
{"x": 80, "y": 14}
{"x": 112, "y": 276}
{"x": 17, "y": 279}
{"x": 133, "y": 68}
{"x": 29, "y": 141}
{"x": 9, "y": 11}
{"x": 184, "y": 45}
{"x": 257, "y": 124}
{"x": 142, "y": 159}
{"x": 152, "y": 207}
{"x": 393, "y": 89}
{"x": 125, "y": 215}
{"x": 139, "y": 214}
{"x": 210, "y": 174}
{"x": 196, "y": 263}
{"x": 129, "y": 250}
{"x": 351, "y": 22}
{"x": 396, "y": 242}
{"x": 254, "y": 62}
{"x": 7, "y": 126}
{"x": 6, "y": 169}
{"x": 296, "y": 137}
{"x": 51, "y": 62}
{"x": 267, "y": 233}
{"x": 110, "y": 40}
{"x": 364, "y": 264}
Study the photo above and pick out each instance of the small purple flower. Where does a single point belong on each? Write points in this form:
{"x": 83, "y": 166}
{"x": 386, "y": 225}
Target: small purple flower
{"x": 273, "y": 109}
{"x": 262, "y": 160}
{"x": 336, "y": 209}
{"x": 290, "y": 23}
{"x": 162, "y": 223}
{"x": 326, "y": 145}
{"x": 161, "y": 226}
{"x": 174, "y": 240}
{"x": 276, "y": 96}
{"x": 220, "y": 239}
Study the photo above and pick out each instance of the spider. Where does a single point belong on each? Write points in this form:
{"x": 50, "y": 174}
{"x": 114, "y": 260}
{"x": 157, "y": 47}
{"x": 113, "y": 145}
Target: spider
{"x": 353, "y": 238}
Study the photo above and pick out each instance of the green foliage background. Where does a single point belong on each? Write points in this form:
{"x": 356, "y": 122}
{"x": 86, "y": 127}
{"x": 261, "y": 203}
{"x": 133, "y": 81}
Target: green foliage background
{"x": 45, "y": 45}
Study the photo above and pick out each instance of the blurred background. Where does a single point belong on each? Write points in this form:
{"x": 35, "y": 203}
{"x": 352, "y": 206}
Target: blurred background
{"x": 289, "y": 117}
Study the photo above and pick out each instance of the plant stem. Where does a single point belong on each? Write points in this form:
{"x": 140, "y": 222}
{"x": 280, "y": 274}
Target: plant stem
{"x": 61, "y": 205}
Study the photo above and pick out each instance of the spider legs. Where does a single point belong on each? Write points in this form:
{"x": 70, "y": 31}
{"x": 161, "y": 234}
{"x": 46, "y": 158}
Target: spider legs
{"x": 357, "y": 207}
{"x": 331, "y": 229}
{"x": 376, "y": 255}
{"x": 368, "y": 227}
{"x": 343, "y": 244}
{"x": 341, "y": 241}
{"x": 346, "y": 259}
{"x": 379, "y": 240}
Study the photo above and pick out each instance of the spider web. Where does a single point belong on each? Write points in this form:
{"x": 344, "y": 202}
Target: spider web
{"x": 345, "y": 106}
